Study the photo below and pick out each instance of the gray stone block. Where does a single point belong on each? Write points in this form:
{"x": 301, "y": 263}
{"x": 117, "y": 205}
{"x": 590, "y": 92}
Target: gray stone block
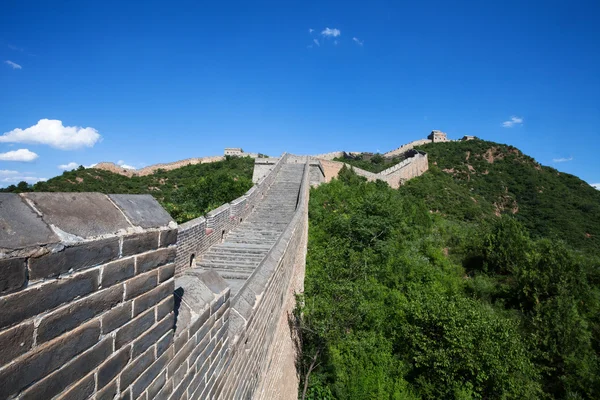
{"x": 112, "y": 367}
{"x": 168, "y": 238}
{"x": 20, "y": 226}
{"x": 150, "y": 374}
{"x": 81, "y": 391}
{"x": 149, "y": 338}
{"x": 142, "y": 210}
{"x": 34, "y": 366}
{"x": 150, "y": 299}
{"x": 141, "y": 284}
{"x": 19, "y": 306}
{"x": 135, "y": 368}
{"x": 134, "y": 329}
{"x": 116, "y": 318}
{"x": 74, "y": 258}
{"x": 109, "y": 392}
{"x": 117, "y": 271}
{"x": 140, "y": 243}
{"x": 73, "y": 315}
{"x": 81, "y": 214}
{"x": 15, "y": 341}
{"x": 12, "y": 275}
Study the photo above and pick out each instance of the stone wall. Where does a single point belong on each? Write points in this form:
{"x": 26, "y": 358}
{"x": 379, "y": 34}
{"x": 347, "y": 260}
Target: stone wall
{"x": 108, "y": 166}
{"x": 86, "y": 305}
{"x": 197, "y": 235}
{"x": 402, "y": 149}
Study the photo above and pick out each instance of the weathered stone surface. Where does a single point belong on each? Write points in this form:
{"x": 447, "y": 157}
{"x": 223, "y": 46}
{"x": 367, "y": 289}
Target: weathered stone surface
{"x": 19, "y": 306}
{"x": 164, "y": 343}
{"x": 46, "y": 359}
{"x": 148, "y": 261}
{"x": 81, "y": 214}
{"x": 140, "y": 243}
{"x": 15, "y": 341}
{"x": 150, "y": 337}
{"x": 70, "y": 373}
{"x": 116, "y": 317}
{"x": 165, "y": 307}
{"x": 153, "y": 297}
{"x": 20, "y": 226}
{"x": 74, "y": 258}
{"x": 157, "y": 385}
{"x": 141, "y": 284}
{"x": 81, "y": 391}
{"x": 168, "y": 237}
{"x": 150, "y": 374}
{"x": 166, "y": 272}
{"x": 109, "y": 392}
{"x": 112, "y": 367}
{"x": 133, "y": 329}
{"x": 135, "y": 368}
{"x": 12, "y": 274}
{"x": 73, "y": 315}
{"x": 142, "y": 210}
{"x": 117, "y": 271}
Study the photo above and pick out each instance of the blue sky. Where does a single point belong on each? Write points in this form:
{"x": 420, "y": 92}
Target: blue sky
{"x": 164, "y": 81}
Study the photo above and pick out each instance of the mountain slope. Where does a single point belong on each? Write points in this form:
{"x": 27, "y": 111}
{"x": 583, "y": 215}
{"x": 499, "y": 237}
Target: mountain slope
{"x": 478, "y": 179}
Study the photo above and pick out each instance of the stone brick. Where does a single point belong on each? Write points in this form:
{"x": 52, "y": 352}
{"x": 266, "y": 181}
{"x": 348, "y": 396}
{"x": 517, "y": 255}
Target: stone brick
{"x": 150, "y": 374}
{"x": 13, "y": 274}
{"x": 200, "y": 321}
{"x": 181, "y": 340}
{"x": 117, "y": 271}
{"x": 166, "y": 272}
{"x": 15, "y": 341}
{"x": 113, "y": 366}
{"x": 81, "y": 391}
{"x": 135, "y": 368}
{"x": 181, "y": 391}
{"x": 151, "y": 337}
{"x": 148, "y": 261}
{"x": 74, "y": 258}
{"x": 164, "y": 343}
{"x": 47, "y": 358}
{"x": 55, "y": 383}
{"x": 109, "y": 392}
{"x": 164, "y": 307}
{"x": 134, "y": 329}
{"x": 197, "y": 384}
{"x": 141, "y": 284}
{"x": 74, "y": 314}
{"x": 139, "y": 243}
{"x": 20, "y": 226}
{"x": 142, "y": 210}
{"x": 181, "y": 356}
{"x": 157, "y": 385}
{"x": 32, "y": 301}
{"x": 153, "y": 297}
{"x": 165, "y": 391}
{"x": 116, "y": 317}
{"x": 168, "y": 238}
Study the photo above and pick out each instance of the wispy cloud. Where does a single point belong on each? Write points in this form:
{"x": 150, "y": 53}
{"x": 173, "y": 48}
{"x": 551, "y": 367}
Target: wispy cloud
{"x": 52, "y": 133}
{"x": 358, "y": 41}
{"x": 13, "y": 64}
{"x": 316, "y": 41}
{"x": 23, "y": 155}
{"x": 15, "y": 48}
{"x": 20, "y": 178}
{"x": 512, "y": 122}
{"x": 596, "y": 185}
{"x": 562, "y": 159}
{"x": 122, "y": 164}
{"x": 310, "y": 30}
{"x": 327, "y": 32}
{"x": 69, "y": 166}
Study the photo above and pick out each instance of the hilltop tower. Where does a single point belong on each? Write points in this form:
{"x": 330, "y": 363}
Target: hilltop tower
{"x": 438, "y": 136}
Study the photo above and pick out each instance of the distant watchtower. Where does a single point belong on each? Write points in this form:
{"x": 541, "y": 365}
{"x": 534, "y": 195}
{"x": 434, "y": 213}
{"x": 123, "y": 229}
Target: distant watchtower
{"x": 233, "y": 151}
{"x": 437, "y": 136}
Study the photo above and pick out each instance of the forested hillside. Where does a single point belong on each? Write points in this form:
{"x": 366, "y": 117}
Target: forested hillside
{"x": 186, "y": 193}
{"x": 478, "y": 280}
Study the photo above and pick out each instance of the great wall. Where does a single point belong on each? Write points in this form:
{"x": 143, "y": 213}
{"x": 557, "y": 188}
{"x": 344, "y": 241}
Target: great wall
{"x": 104, "y": 296}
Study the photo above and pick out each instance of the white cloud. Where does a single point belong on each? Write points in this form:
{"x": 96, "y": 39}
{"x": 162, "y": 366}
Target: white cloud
{"x": 6, "y": 172}
{"x": 512, "y": 122}
{"x": 122, "y": 164}
{"x": 357, "y": 41}
{"x": 596, "y": 185}
{"x": 28, "y": 179}
{"x": 69, "y": 166}
{"x": 331, "y": 32}
{"x": 316, "y": 42}
{"x": 13, "y": 64}
{"x": 53, "y": 133}
{"x": 562, "y": 159}
{"x": 310, "y": 30}
{"x": 18, "y": 155}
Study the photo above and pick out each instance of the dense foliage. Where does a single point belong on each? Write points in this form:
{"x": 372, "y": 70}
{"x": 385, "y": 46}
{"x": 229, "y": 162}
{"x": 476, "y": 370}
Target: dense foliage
{"x": 403, "y": 303}
{"x": 469, "y": 180}
{"x": 186, "y": 193}
{"x": 375, "y": 163}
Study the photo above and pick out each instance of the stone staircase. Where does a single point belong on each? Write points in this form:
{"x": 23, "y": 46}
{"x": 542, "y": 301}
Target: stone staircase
{"x": 243, "y": 249}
